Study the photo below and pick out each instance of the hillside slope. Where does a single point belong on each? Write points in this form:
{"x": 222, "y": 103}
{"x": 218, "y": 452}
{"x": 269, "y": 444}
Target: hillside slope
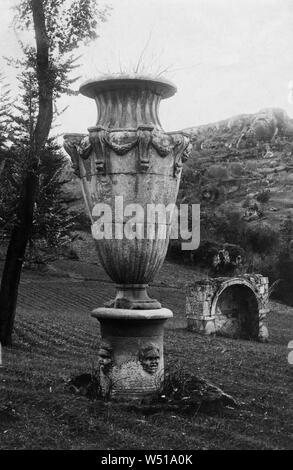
{"x": 244, "y": 156}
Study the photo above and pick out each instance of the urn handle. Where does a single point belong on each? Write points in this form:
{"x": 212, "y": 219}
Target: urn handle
{"x": 77, "y": 146}
{"x": 98, "y": 139}
{"x": 144, "y": 134}
{"x": 182, "y": 151}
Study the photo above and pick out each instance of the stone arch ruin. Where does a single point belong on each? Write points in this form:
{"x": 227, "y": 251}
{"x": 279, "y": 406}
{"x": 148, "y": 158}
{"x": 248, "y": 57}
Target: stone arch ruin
{"x": 232, "y": 307}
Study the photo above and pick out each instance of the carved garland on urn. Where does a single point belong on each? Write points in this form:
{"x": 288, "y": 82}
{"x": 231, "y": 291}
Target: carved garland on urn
{"x": 101, "y": 140}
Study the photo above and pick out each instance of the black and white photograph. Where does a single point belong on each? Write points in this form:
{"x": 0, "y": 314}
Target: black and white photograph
{"x": 146, "y": 229}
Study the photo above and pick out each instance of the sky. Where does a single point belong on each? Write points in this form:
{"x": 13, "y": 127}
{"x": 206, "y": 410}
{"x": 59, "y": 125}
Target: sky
{"x": 226, "y": 57}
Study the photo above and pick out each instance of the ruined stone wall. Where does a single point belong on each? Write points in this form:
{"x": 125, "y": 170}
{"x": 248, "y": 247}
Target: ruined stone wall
{"x": 234, "y": 307}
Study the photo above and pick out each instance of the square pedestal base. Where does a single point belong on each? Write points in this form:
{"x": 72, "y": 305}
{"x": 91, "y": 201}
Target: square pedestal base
{"x": 131, "y": 353}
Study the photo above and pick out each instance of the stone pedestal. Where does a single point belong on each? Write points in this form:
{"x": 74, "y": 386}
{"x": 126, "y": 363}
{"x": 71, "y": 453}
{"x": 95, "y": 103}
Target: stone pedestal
{"x": 130, "y": 171}
{"x": 131, "y": 352}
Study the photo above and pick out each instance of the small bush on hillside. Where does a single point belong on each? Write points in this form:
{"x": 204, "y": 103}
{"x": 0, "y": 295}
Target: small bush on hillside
{"x": 211, "y": 194}
{"x": 261, "y": 238}
{"x": 285, "y": 274}
{"x": 218, "y": 172}
{"x": 265, "y": 265}
{"x": 236, "y": 169}
{"x": 251, "y": 166}
{"x": 205, "y": 253}
{"x": 286, "y": 232}
{"x": 246, "y": 202}
{"x": 264, "y": 196}
{"x": 284, "y": 263}
{"x": 229, "y": 225}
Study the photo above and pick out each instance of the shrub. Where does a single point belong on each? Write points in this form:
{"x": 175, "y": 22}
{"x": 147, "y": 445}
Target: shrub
{"x": 218, "y": 172}
{"x": 263, "y": 196}
{"x": 252, "y": 166}
{"x": 229, "y": 225}
{"x": 261, "y": 238}
{"x": 285, "y": 274}
{"x": 236, "y": 169}
{"x": 286, "y": 232}
{"x": 205, "y": 253}
{"x": 284, "y": 264}
{"x": 251, "y": 203}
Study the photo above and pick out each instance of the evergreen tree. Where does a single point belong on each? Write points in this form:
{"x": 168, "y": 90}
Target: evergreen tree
{"x": 59, "y": 27}
{"x": 52, "y": 223}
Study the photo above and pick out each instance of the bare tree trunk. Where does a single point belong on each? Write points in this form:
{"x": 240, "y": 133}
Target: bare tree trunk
{"x": 22, "y": 230}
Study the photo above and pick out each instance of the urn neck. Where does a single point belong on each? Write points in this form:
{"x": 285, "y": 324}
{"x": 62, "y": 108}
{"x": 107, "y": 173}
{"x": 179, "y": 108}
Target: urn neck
{"x": 128, "y": 103}
{"x": 121, "y": 109}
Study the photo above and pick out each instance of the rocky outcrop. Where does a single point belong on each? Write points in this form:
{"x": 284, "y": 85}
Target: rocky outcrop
{"x": 243, "y": 157}
{"x": 263, "y": 126}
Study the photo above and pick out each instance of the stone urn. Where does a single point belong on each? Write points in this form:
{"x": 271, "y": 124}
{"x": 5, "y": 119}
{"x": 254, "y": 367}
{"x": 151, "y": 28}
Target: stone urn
{"x": 130, "y": 172}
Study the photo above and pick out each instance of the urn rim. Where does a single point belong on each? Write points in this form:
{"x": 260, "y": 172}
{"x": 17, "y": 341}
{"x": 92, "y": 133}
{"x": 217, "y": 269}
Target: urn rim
{"x": 162, "y": 87}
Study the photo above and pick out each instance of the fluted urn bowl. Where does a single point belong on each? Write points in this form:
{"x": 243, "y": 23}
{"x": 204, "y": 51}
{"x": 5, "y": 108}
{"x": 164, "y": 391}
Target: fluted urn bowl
{"x": 128, "y": 159}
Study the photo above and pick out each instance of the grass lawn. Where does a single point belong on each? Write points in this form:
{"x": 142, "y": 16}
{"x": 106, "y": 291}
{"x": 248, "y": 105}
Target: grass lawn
{"x": 55, "y": 338}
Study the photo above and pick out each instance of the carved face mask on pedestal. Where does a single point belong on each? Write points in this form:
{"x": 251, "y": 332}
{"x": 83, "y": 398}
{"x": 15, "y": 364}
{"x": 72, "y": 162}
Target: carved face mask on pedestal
{"x": 149, "y": 357}
{"x": 105, "y": 358}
